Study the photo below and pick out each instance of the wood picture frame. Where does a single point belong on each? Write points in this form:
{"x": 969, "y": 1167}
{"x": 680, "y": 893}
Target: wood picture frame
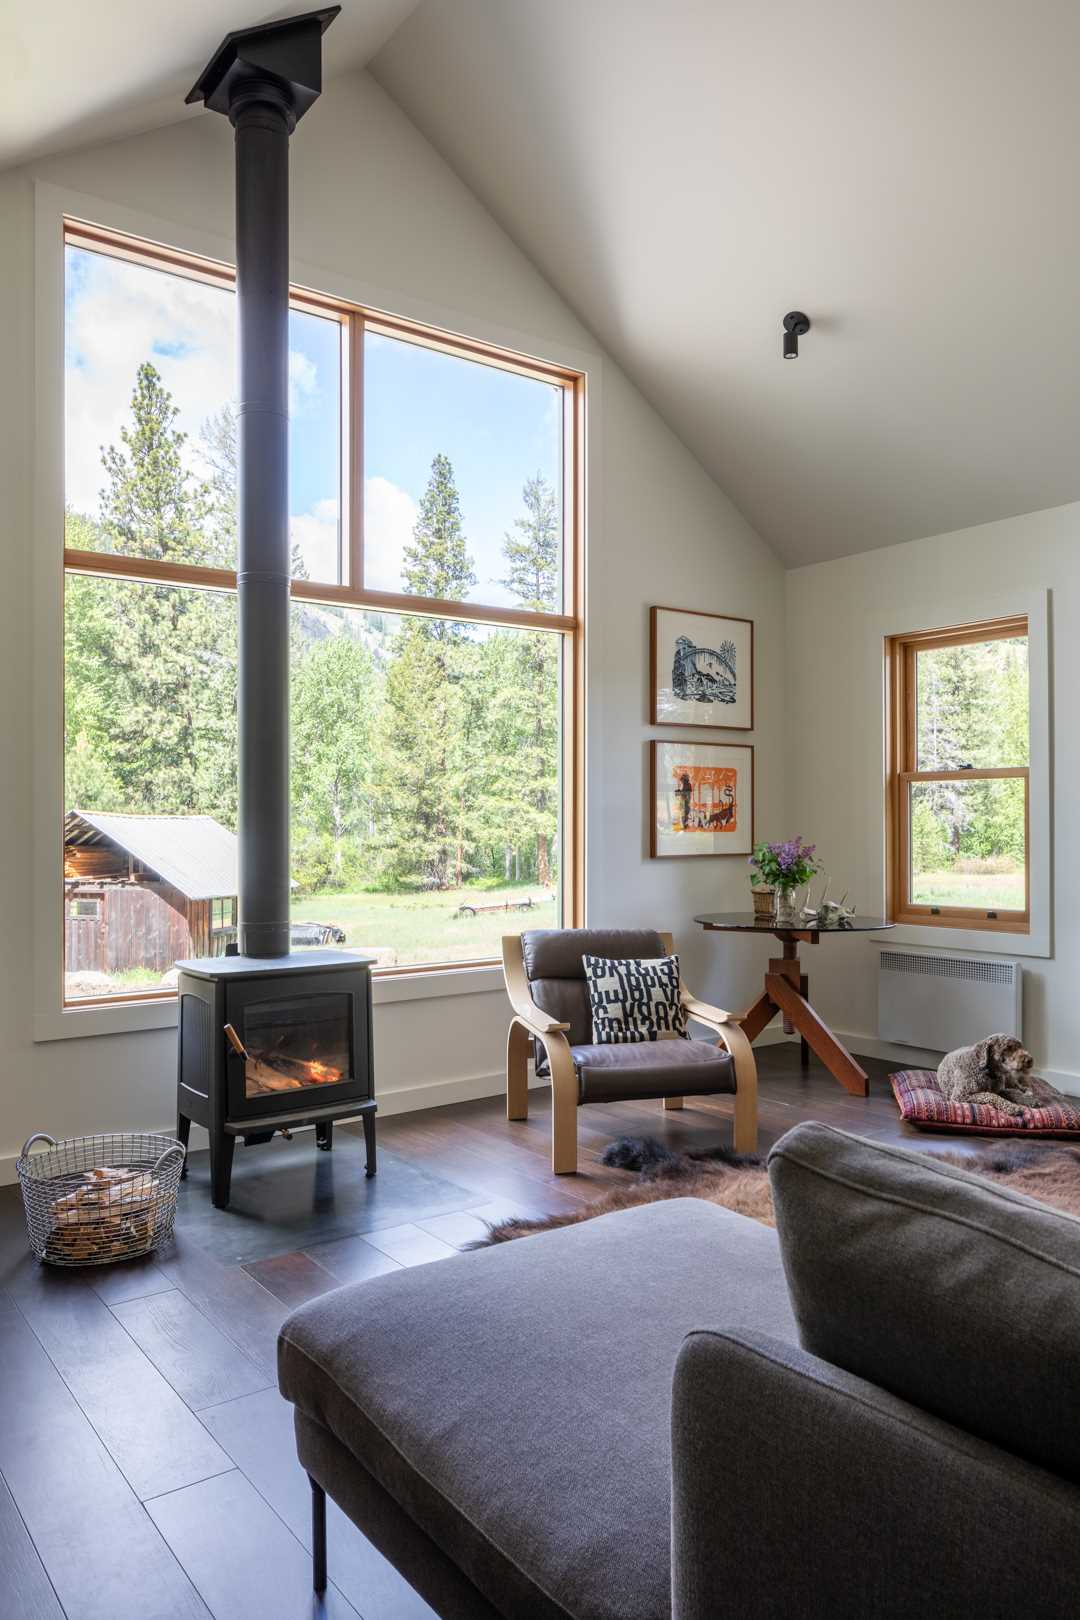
{"x": 701, "y": 669}
{"x": 701, "y": 799}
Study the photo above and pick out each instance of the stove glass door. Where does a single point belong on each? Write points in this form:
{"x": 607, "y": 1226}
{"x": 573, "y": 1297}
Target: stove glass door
{"x": 297, "y": 1043}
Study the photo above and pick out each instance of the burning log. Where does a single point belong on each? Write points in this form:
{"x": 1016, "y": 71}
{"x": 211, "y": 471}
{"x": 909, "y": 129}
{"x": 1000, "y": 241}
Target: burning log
{"x": 267, "y": 1070}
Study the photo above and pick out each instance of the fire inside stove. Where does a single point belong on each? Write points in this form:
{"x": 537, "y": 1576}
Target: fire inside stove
{"x": 290, "y": 1045}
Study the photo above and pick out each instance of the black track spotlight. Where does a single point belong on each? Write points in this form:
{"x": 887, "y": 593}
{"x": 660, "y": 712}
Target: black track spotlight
{"x": 796, "y": 325}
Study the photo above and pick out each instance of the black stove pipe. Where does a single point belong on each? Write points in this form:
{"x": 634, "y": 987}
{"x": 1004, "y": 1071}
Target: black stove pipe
{"x": 264, "y": 79}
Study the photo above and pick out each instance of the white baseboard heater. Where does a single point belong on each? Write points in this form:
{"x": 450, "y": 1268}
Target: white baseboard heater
{"x": 939, "y": 1000}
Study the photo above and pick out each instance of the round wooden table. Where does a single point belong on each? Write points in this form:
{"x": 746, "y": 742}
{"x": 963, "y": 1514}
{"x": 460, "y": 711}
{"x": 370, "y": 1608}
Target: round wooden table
{"x": 786, "y": 989}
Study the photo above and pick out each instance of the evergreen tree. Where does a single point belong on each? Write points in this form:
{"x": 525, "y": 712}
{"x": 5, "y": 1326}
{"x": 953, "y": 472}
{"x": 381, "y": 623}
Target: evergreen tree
{"x": 334, "y": 701}
{"x": 151, "y": 670}
{"x": 532, "y": 554}
{"x": 437, "y": 562}
{"x": 425, "y": 788}
{"x": 152, "y": 507}
{"x": 220, "y": 442}
{"x": 528, "y": 682}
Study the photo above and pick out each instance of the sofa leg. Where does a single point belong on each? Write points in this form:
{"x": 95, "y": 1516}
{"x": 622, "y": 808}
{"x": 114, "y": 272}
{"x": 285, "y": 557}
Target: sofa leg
{"x": 318, "y": 1536}
{"x": 517, "y": 1072}
{"x": 674, "y": 1102}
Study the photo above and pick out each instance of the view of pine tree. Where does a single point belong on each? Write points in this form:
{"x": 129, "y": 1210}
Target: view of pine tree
{"x": 532, "y": 554}
{"x": 152, "y": 507}
{"x": 151, "y": 670}
{"x": 334, "y": 705}
{"x": 424, "y": 752}
{"x": 220, "y": 444}
{"x": 437, "y": 563}
{"x": 530, "y": 685}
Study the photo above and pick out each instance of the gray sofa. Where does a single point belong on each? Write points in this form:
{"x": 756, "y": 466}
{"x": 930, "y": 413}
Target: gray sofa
{"x": 674, "y": 1411}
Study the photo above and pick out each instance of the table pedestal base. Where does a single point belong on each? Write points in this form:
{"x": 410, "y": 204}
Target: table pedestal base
{"x": 786, "y": 989}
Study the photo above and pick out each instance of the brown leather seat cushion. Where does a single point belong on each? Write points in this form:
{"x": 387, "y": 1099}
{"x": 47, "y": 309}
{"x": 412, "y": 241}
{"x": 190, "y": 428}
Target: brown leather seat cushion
{"x": 621, "y": 1070}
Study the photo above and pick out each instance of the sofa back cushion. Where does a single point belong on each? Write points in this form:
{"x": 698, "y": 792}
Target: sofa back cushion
{"x": 954, "y": 1294}
{"x": 553, "y": 962}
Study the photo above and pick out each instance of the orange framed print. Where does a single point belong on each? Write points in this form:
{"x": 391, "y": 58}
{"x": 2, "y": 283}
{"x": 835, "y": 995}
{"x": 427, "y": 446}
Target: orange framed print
{"x": 702, "y": 668}
{"x": 702, "y": 799}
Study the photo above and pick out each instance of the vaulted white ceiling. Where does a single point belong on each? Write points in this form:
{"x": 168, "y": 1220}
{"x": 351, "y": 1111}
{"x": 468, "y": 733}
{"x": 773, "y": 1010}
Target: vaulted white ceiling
{"x": 81, "y": 71}
{"x": 684, "y": 172}
{"x": 904, "y": 171}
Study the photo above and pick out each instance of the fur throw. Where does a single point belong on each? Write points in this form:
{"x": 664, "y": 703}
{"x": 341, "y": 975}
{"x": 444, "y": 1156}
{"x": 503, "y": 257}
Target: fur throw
{"x": 1044, "y": 1171}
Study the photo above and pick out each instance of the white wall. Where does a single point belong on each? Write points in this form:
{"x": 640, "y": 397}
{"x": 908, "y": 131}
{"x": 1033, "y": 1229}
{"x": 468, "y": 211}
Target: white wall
{"x": 834, "y": 763}
{"x": 378, "y": 210}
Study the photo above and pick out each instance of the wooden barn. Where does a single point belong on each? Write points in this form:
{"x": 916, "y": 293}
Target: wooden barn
{"x": 141, "y": 891}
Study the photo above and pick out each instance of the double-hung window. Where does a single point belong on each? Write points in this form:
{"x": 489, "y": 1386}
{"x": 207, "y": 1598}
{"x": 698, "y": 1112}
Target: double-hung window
{"x": 958, "y": 778}
{"x": 435, "y": 489}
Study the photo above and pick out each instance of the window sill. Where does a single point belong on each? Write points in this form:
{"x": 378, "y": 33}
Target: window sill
{"x": 999, "y": 942}
{"x": 131, "y": 1017}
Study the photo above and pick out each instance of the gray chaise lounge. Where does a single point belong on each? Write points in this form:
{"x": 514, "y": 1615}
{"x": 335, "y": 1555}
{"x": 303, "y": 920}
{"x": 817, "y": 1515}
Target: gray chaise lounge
{"x": 617, "y": 1422}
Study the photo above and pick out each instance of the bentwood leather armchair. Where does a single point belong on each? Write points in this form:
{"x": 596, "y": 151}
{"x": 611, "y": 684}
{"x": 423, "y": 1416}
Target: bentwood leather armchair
{"x": 545, "y": 980}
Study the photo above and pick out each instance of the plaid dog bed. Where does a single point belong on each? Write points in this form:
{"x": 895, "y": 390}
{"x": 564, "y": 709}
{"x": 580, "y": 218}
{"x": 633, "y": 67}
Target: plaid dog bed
{"x": 920, "y": 1100}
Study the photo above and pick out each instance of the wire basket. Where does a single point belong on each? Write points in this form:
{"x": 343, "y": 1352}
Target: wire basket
{"x": 95, "y": 1199}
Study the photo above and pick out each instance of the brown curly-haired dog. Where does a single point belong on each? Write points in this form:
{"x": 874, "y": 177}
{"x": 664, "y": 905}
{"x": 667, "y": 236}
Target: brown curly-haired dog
{"x": 994, "y": 1072}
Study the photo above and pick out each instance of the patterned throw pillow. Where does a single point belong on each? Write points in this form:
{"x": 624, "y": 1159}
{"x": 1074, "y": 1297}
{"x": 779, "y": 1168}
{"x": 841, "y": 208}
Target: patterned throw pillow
{"x": 634, "y": 1001}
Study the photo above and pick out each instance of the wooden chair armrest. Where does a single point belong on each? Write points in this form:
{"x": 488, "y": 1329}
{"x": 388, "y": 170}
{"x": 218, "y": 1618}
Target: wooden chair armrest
{"x": 535, "y": 1019}
{"x": 705, "y": 1014}
{"x": 541, "y": 1026}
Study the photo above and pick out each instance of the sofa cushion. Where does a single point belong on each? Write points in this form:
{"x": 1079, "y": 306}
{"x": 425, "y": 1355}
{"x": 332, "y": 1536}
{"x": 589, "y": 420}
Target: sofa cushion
{"x": 634, "y": 999}
{"x": 674, "y": 1068}
{"x": 957, "y": 1295}
{"x": 515, "y": 1401}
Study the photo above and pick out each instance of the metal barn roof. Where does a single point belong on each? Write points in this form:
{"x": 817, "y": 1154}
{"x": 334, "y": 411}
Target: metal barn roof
{"x": 196, "y": 854}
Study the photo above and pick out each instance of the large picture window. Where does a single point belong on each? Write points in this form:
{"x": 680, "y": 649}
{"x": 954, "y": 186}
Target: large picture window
{"x": 435, "y": 711}
{"x": 958, "y": 777}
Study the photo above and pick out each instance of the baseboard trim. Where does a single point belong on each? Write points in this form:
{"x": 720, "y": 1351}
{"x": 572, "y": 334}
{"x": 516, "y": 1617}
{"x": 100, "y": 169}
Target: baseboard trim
{"x": 402, "y": 1100}
{"x": 915, "y": 1057}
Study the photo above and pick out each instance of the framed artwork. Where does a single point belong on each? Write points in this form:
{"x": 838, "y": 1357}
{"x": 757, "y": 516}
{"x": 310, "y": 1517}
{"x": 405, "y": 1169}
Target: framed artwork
{"x": 702, "y": 799}
{"x": 702, "y": 670}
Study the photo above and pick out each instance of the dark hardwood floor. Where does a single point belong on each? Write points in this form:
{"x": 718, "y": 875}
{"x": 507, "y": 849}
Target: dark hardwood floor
{"x": 147, "y": 1467}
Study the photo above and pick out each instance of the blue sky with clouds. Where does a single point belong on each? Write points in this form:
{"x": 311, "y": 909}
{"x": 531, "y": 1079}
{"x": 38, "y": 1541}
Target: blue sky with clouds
{"x": 497, "y": 427}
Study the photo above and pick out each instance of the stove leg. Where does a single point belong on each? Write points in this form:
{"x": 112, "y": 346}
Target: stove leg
{"x": 324, "y": 1135}
{"x": 221, "y": 1160}
{"x": 369, "y": 1140}
{"x": 318, "y": 1536}
{"x": 183, "y": 1131}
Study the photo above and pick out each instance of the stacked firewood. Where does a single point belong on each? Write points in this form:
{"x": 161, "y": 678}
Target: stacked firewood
{"x": 108, "y": 1215}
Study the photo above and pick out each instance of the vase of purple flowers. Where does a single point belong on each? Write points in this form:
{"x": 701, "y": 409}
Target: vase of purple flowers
{"x": 785, "y": 868}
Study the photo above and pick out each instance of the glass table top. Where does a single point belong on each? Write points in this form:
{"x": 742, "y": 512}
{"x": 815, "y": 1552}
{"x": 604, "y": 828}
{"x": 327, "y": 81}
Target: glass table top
{"x": 746, "y": 922}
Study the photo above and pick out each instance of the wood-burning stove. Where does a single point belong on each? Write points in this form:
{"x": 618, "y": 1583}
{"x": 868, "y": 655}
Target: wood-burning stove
{"x": 269, "y": 1043}
{"x": 267, "y": 1040}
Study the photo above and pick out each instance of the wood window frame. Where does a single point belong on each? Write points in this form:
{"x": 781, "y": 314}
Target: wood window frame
{"x": 901, "y": 655}
{"x": 355, "y": 319}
